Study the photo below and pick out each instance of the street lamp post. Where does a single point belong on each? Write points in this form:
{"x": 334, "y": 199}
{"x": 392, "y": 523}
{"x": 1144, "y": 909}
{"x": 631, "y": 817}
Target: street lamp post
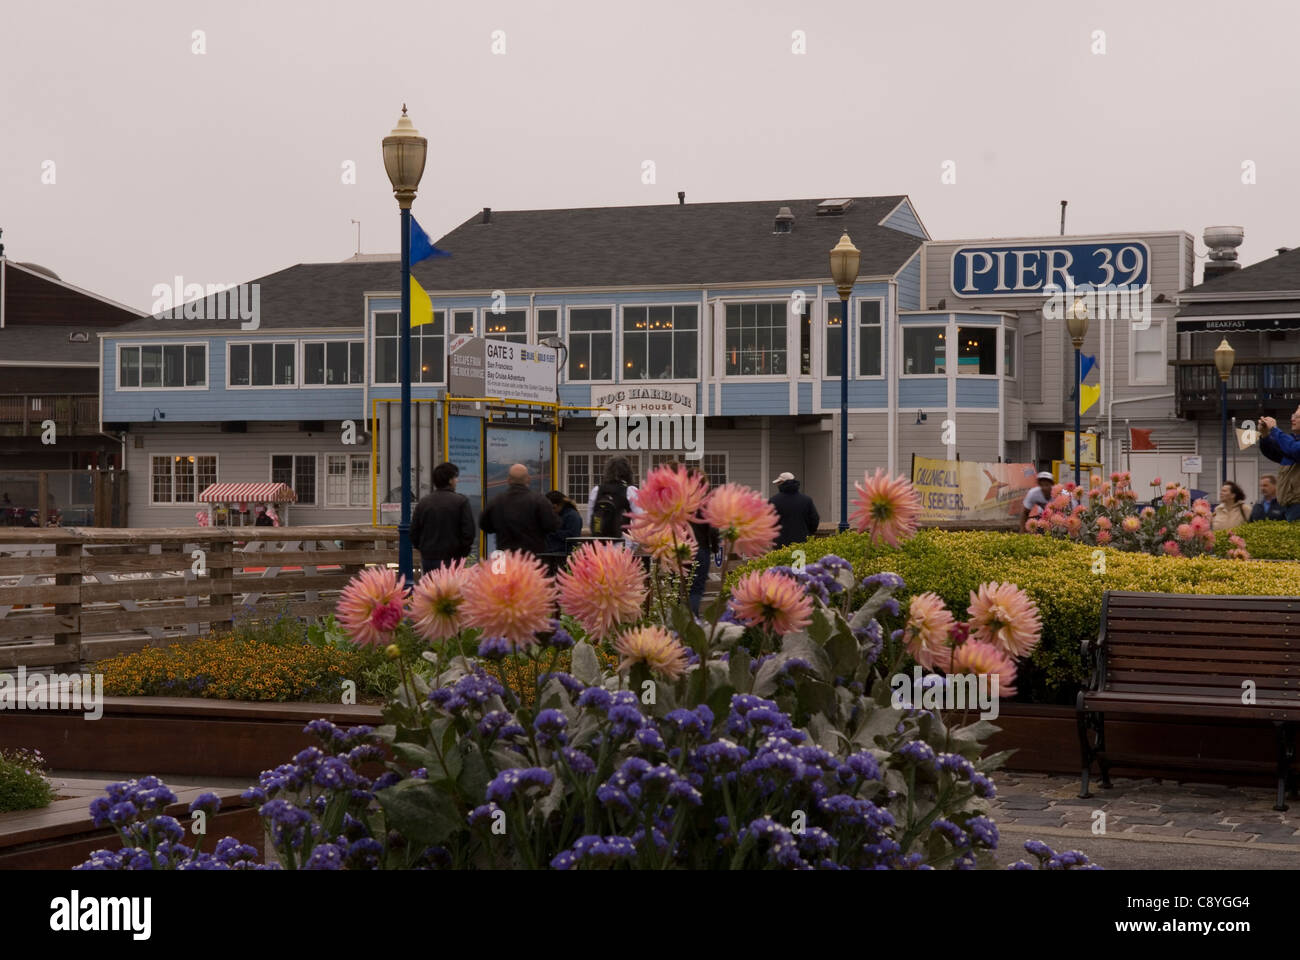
{"x": 1224, "y": 356}
{"x": 844, "y": 272}
{"x": 404, "y": 154}
{"x": 1076, "y": 320}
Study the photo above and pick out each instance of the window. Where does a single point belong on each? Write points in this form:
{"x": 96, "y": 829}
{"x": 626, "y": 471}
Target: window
{"x": 347, "y": 480}
{"x": 1009, "y": 353}
{"x": 715, "y": 468}
{"x": 755, "y": 339}
{"x": 427, "y": 348}
{"x": 977, "y": 351}
{"x": 263, "y": 364}
{"x": 660, "y": 343}
{"x": 583, "y": 471}
{"x": 869, "y": 351}
{"x": 1147, "y": 354}
{"x": 462, "y": 321}
{"x": 548, "y": 323}
{"x": 805, "y": 338}
{"x": 924, "y": 351}
{"x": 834, "y": 336}
{"x": 591, "y": 343}
{"x": 508, "y": 325}
{"x": 333, "y": 363}
{"x": 180, "y": 478}
{"x": 299, "y": 472}
{"x": 163, "y": 366}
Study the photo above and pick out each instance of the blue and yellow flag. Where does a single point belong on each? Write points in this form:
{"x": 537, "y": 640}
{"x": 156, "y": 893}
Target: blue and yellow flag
{"x": 422, "y": 247}
{"x": 421, "y": 305}
{"x": 1090, "y": 395}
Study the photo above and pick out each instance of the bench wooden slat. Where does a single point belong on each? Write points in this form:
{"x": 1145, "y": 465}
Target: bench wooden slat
{"x": 1192, "y": 619}
{"x": 1207, "y": 690}
{"x": 1170, "y": 652}
{"x": 1122, "y": 599}
{"x": 1252, "y": 671}
{"x": 1194, "y": 707}
{"x": 1212, "y": 641}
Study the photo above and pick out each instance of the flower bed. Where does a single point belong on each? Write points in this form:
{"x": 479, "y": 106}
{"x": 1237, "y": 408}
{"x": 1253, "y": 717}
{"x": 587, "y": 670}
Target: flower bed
{"x": 23, "y": 784}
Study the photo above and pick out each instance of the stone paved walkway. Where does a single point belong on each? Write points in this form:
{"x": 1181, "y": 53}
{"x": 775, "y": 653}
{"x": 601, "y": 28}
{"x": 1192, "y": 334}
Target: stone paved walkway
{"x": 1151, "y": 810}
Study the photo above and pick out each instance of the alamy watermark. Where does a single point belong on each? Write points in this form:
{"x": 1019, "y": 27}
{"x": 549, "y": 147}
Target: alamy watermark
{"x": 673, "y": 432}
{"x": 955, "y": 691}
{"x": 1110, "y": 302}
{"x": 55, "y": 691}
{"x": 194, "y": 301}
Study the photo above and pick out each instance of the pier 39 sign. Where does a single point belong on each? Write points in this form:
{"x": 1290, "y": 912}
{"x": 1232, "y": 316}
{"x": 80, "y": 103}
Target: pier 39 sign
{"x": 1022, "y": 270}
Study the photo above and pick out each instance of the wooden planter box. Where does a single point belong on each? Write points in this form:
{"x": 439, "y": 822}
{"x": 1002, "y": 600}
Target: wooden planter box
{"x": 62, "y": 835}
{"x": 165, "y": 736}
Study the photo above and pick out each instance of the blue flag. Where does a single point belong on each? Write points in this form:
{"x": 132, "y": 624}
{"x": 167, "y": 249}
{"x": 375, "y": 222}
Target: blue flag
{"x": 1086, "y": 363}
{"x": 421, "y": 246}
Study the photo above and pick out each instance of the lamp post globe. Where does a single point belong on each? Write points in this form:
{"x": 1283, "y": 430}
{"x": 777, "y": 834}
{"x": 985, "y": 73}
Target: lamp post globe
{"x": 405, "y": 152}
{"x": 1224, "y": 356}
{"x": 845, "y": 258}
{"x": 1076, "y": 322}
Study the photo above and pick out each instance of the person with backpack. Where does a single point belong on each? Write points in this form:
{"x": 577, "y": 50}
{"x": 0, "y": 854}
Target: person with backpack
{"x": 798, "y": 514}
{"x": 442, "y": 524}
{"x": 612, "y": 501}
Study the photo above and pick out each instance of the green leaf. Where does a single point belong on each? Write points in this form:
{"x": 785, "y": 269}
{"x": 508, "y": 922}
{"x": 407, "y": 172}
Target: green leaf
{"x": 586, "y": 665}
{"x": 801, "y": 645}
{"x": 815, "y": 697}
{"x": 738, "y": 670}
{"x": 474, "y": 774}
{"x": 845, "y": 655}
{"x": 417, "y": 756}
{"x": 820, "y": 628}
{"x": 420, "y": 812}
{"x": 880, "y": 722}
{"x": 720, "y": 700}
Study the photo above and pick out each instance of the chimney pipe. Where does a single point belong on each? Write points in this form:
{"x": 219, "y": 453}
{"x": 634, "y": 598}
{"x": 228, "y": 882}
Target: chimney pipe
{"x": 1282, "y": 250}
{"x": 1063, "y": 203}
{"x": 681, "y": 198}
{"x": 1222, "y": 242}
{"x": 487, "y": 214}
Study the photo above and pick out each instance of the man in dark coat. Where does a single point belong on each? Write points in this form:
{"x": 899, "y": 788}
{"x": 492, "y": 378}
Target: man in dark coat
{"x": 1284, "y": 448}
{"x": 442, "y": 525}
{"x": 1267, "y": 506}
{"x": 799, "y": 518}
{"x": 520, "y": 518}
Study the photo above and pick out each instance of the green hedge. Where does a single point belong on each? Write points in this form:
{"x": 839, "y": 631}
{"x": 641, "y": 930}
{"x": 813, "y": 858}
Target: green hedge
{"x": 1266, "y": 540}
{"x": 1057, "y": 574}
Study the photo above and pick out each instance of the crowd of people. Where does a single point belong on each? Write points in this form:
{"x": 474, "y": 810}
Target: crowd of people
{"x": 550, "y": 526}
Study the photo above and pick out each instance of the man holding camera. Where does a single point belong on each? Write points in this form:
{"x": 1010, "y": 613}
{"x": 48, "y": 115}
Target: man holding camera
{"x": 1284, "y": 448}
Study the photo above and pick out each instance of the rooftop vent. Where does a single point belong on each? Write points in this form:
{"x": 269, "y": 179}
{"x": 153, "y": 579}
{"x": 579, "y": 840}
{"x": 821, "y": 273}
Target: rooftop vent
{"x": 78, "y": 336}
{"x": 834, "y": 208}
{"x": 1223, "y": 243}
{"x": 681, "y": 198}
{"x": 1282, "y": 250}
{"x": 487, "y": 215}
{"x": 784, "y": 222}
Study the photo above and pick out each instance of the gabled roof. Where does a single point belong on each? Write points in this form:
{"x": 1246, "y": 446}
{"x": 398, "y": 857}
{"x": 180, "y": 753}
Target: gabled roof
{"x": 663, "y": 245}
{"x": 1280, "y": 272}
{"x": 40, "y": 311}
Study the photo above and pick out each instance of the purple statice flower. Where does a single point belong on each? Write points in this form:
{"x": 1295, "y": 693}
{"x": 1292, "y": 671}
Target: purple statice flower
{"x": 595, "y": 851}
{"x": 957, "y": 765}
{"x": 168, "y": 828}
{"x": 483, "y": 815}
{"x": 955, "y": 834}
{"x": 517, "y": 781}
{"x": 494, "y": 648}
{"x": 335, "y": 773}
{"x": 578, "y": 761}
{"x": 571, "y": 684}
{"x": 649, "y": 738}
{"x": 326, "y": 856}
{"x": 558, "y": 638}
{"x": 324, "y": 729}
{"x": 983, "y": 786}
{"x": 363, "y": 854}
{"x": 624, "y": 721}
{"x": 918, "y": 752}
{"x": 782, "y": 850}
{"x": 887, "y": 581}
{"x": 230, "y": 849}
{"x": 550, "y": 726}
{"x": 697, "y": 722}
{"x": 596, "y": 698}
{"x": 984, "y": 832}
{"x": 122, "y": 813}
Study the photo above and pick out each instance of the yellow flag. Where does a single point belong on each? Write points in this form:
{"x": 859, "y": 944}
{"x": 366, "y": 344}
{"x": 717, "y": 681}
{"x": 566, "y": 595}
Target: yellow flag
{"x": 421, "y": 305}
{"x": 1089, "y": 395}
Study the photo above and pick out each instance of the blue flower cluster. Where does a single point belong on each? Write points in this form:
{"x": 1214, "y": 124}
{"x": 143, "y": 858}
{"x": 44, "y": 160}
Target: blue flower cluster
{"x": 1049, "y": 859}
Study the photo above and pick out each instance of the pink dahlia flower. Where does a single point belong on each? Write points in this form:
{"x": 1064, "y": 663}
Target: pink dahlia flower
{"x": 1171, "y": 548}
{"x": 983, "y": 659}
{"x": 1104, "y": 523}
{"x": 509, "y": 596}
{"x": 1156, "y": 482}
{"x": 1184, "y": 531}
{"x": 1103, "y": 536}
{"x": 1200, "y": 526}
{"x": 436, "y": 600}
{"x": 928, "y": 629}
{"x": 886, "y": 508}
{"x": 603, "y": 586}
{"x": 672, "y": 546}
{"x": 371, "y": 606}
{"x": 1201, "y": 508}
{"x": 671, "y": 496}
{"x": 655, "y": 647}
{"x": 771, "y": 600}
{"x": 746, "y": 522}
{"x": 1002, "y": 614}
{"x": 1131, "y": 524}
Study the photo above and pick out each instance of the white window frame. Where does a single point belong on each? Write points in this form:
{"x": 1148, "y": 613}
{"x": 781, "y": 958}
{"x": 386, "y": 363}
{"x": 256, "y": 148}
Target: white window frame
{"x": 171, "y": 458}
{"x": 302, "y": 363}
{"x": 536, "y": 322}
{"x": 1010, "y": 335}
{"x": 297, "y": 365}
{"x": 473, "y": 321}
{"x": 207, "y": 366}
{"x": 485, "y": 317}
{"x": 791, "y": 336}
{"x": 373, "y": 348}
{"x": 270, "y": 469}
{"x": 828, "y": 304}
{"x": 997, "y": 366}
{"x": 856, "y": 339}
{"x": 616, "y": 353}
{"x": 699, "y": 336}
{"x": 347, "y": 462}
{"x": 1163, "y": 379}
{"x": 946, "y": 328}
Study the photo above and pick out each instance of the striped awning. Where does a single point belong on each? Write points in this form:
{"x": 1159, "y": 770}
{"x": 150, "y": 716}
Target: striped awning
{"x": 248, "y": 492}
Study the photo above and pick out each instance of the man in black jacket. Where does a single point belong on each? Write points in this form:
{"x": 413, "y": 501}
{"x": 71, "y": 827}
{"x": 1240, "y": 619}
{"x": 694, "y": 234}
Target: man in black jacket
{"x": 799, "y": 518}
{"x": 442, "y": 526}
{"x": 520, "y": 518}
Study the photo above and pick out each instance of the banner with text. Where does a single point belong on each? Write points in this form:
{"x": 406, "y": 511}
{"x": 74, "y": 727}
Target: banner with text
{"x": 965, "y": 490}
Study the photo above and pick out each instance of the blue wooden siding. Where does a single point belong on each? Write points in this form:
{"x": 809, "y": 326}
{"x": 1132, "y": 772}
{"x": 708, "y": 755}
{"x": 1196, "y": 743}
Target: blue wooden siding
{"x": 909, "y": 284}
{"x": 805, "y": 398}
{"x": 904, "y": 220}
{"x": 979, "y": 319}
{"x": 750, "y": 399}
{"x": 862, "y": 394}
{"x": 922, "y": 393}
{"x": 977, "y": 392}
{"x": 929, "y": 318}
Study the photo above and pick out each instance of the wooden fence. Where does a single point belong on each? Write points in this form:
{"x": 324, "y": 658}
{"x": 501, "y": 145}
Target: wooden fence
{"x": 75, "y": 595}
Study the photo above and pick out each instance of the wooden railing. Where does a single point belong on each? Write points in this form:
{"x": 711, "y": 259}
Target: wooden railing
{"x": 1255, "y": 387}
{"x": 23, "y": 414}
{"x": 75, "y": 595}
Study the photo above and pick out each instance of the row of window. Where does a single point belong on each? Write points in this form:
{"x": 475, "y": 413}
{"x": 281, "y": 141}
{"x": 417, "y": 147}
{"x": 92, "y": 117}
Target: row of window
{"x": 180, "y": 478}
{"x": 324, "y": 363}
{"x": 582, "y": 471}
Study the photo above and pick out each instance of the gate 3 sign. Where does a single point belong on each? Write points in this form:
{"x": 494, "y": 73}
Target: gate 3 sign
{"x": 1020, "y": 270}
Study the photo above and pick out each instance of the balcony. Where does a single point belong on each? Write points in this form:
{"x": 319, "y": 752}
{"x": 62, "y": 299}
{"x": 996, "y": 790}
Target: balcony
{"x": 21, "y": 415}
{"x": 1255, "y": 388}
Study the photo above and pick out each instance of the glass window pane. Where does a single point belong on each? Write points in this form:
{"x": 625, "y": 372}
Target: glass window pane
{"x": 196, "y": 366}
{"x": 284, "y": 363}
{"x": 686, "y": 318}
{"x": 977, "y": 350}
{"x": 385, "y": 324}
{"x": 602, "y": 356}
{"x": 580, "y": 357}
{"x": 336, "y": 362}
{"x": 282, "y": 469}
{"x": 684, "y": 355}
{"x": 207, "y": 472}
{"x": 239, "y": 370}
{"x": 634, "y": 367}
{"x": 660, "y": 359}
{"x": 183, "y": 470}
{"x": 661, "y": 318}
{"x": 161, "y": 475}
{"x": 463, "y": 321}
{"x": 336, "y": 480}
{"x": 590, "y": 318}
{"x": 313, "y": 363}
{"x": 1009, "y": 352}
{"x": 357, "y": 362}
{"x": 386, "y": 360}
{"x": 304, "y": 477}
{"x": 869, "y": 351}
{"x": 130, "y": 371}
{"x": 360, "y": 488}
{"x": 548, "y": 322}
{"x": 924, "y": 350}
{"x": 263, "y": 364}
{"x": 173, "y": 365}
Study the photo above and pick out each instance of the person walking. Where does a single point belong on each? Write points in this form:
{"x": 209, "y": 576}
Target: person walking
{"x": 557, "y": 541}
{"x": 520, "y": 518}
{"x": 1039, "y": 496}
{"x": 1231, "y": 511}
{"x": 612, "y": 500}
{"x": 1284, "y": 448}
{"x": 442, "y": 525}
{"x": 1267, "y": 507}
{"x": 797, "y": 512}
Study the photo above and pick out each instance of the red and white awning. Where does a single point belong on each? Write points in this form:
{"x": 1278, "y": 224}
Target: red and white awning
{"x": 248, "y": 492}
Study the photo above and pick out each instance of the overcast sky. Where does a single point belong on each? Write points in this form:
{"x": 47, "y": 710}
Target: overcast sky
{"x": 227, "y": 165}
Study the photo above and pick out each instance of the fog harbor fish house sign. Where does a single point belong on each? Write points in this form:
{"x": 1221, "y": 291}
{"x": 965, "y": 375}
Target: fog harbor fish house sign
{"x": 646, "y": 400}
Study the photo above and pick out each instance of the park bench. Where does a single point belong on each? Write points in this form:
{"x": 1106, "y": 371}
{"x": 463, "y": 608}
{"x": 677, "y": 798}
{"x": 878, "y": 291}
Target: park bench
{"x": 1192, "y": 658}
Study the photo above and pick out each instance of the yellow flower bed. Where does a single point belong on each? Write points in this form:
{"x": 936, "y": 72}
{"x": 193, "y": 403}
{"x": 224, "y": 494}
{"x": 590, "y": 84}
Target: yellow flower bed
{"x": 226, "y": 668}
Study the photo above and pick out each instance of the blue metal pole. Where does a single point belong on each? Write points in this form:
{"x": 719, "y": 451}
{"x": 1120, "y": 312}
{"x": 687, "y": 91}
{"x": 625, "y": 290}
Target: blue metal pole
{"x": 405, "y": 558}
{"x": 1078, "y": 402}
{"x": 1224, "y": 392}
{"x": 844, "y": 414}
